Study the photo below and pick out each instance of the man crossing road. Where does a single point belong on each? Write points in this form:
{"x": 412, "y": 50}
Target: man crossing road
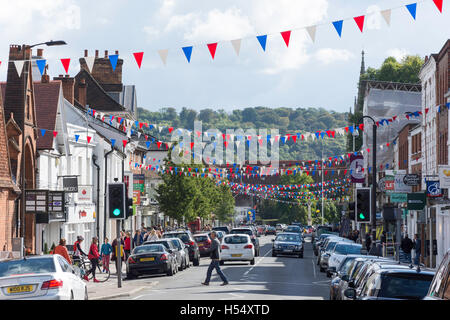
{"x": 214, "y": 251}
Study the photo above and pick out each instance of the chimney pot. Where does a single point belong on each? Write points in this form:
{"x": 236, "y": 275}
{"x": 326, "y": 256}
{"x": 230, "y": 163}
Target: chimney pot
{"x": 60, "y": 75}
{"x": 106, "y": 53}
{"x": 85, "y": 53}
{"x": 40, "y": 52}
{"x": 96, "y": 53}
{"x": 117, "y": 51}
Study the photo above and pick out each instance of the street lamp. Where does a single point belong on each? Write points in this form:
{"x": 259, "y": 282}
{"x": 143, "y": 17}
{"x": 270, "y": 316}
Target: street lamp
{"x": 374, "y": 177}
{"x": 21, "y": 217}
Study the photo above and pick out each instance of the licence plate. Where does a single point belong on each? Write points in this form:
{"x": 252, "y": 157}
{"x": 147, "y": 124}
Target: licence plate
{"x": 287, "y": 250}
{"x": 20, "y": 289}
{"x": 236, "y": 255}
{"x": 147, "y": 259}
{"x": 200, "y": 244}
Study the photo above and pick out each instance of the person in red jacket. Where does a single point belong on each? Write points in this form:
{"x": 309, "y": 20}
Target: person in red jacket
{"x": 93, "y": 256}
{"x": 127, "y": 245}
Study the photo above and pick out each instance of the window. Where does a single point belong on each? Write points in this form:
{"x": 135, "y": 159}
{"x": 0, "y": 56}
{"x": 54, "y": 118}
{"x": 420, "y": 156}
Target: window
{"x": 29, "y": 266}
{"x": 447, "y": 289}
{"x": 370, "y": 286}
{"x": 64, "y": 265}
{"x": 236, "y": 240}
{"x": 201, "y": 238}
{"x": 405, "y": 285}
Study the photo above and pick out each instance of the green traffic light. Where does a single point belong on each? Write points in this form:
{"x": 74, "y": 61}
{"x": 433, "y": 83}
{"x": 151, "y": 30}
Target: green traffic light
{"x": 116, "y": 212}
{"x": 361, "y": 216}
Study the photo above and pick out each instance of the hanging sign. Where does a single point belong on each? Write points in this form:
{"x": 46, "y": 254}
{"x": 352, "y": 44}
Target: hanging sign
{"x": 416, "y": 201}
{"x": 411, "y": 179}
{"x": 70, "y": 184}
{"x": 399, "y": 184}
{"x": 56, "y": 206}
{"x": 444, "y": 176}
{"x": 356, "y": 165}
{"x": 433, "y": 189}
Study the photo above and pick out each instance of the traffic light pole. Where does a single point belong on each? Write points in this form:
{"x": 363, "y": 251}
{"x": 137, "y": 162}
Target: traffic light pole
{"x": 119, "y": 255}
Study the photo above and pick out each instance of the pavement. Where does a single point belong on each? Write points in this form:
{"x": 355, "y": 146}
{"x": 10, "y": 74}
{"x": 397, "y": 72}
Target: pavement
{"x": 271, "y": 278}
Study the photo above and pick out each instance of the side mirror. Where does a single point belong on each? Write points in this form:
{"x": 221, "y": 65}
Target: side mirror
{"x": 351, "y": 283}
{"x": 170, "y": 251}
{"x": 350, "y": 293}
{"x": 273, "y": 240}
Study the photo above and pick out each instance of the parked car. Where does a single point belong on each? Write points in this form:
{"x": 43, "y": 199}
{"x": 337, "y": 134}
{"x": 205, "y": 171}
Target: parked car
{"x": 47, "y": 277}
{"x": 393, "y": 282}
{"x": 279, "y": 227}
{"x": 340, "y": 251}
{"x": 317, "y": 242}
{"x": 188, "y": 240}
{"x": 251, "y": 233}
{"x": 326, "y": 248}
{"x": 440, "y": 286}
{"x": 169, "y": 246}
{"x": 151, "y": 258}
{"x": 270, "y": 230}
{"x": 204, "y": 243}
{"x": 222, "y": 228}
{"x": 287, "y": 244}
{"x": 220, "y": 234}
{"x": 237, "y": 247}
{"x": 184, "y": 252}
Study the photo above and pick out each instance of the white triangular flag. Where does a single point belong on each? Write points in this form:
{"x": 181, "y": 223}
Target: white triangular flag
{"x": 90, "y": 63}
{"x": 160, "y": 129}
{"x": 19, "y": 66}
{"x": 387, "y": 16}
{"x": 236, "y": 45}
{"x": 238, "y": 143}
{"x": 139, "y": 134}
{"x": 272, "y": 140}
{"x": 312, "y": 32}
{"x": 163, "y": 55}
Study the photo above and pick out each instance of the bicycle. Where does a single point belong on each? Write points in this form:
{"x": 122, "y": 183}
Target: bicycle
{"x": 85, "y": 266}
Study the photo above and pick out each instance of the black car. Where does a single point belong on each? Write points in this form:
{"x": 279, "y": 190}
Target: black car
{"x": 170, "y": 246}
{"x": 288, "y": 244}
{"x": 251, "y": 233}
{"x": 151, "y": 259}
{"x": 294, "y": 229}
{"x": 393, "y": 282}
{"x": 223, "y": 228}
{"x": 270, "y": 230}
{"x": 440, "y": 286}
{"x": 188, "y": 240}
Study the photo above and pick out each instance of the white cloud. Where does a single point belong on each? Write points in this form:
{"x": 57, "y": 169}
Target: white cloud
{"x": 398, "y": 53}
{"x": 152, "y": 32}
{"x": 328, "y": 55}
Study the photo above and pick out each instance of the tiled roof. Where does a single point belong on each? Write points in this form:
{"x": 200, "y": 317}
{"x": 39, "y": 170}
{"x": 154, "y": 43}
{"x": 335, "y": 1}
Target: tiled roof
{"x": 46, "y": 97}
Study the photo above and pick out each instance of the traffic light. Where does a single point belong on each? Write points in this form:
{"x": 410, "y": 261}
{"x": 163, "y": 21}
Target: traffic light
{"x": 351, "y": 210}
{"x": 363, "y": 205}
{"x": 129, "y": 208}
{"x": 116, "y": 200}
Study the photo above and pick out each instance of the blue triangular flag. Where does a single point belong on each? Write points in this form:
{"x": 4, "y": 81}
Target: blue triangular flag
{"x": 412, "y": 9}
{"x": 317, "y": 135}
{"x": 323, "y": 134}
{"x": 351, "y": 128}
{"x": 113, "y": 59}
{"x": 136, "y": 123}
{"x": 77, "y": 136}
{"x": 43, "y": 132}
{"x": 148, "y": 144}
{"x": 187, "y": 52}
{"x": 113, "y": 142}
{"x": 338, "y": 26}
{"x": 262, "y": 41}
{"x": 41, "y": 65}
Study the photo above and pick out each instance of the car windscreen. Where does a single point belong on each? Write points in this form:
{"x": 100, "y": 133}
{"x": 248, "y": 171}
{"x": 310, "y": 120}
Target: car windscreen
{"x": 182, "y": 236}
{"x": 330, "y": 246}
{"x": 176, "y": 243}
{"x": 293, "y": 229}
{"x": 236, "y": 239}
{"x": 345, "y": 265}
{"x": 164, "y": 243}
{"x": 405, "y": 286}
{"x": 288, "y": 237}
{"x": 201, "y": 238}
{"x": 347, "y": 249}
{"x": 244, "y": 231}
{"x": 148, "y": 249}
{"x": 17, "y": 267}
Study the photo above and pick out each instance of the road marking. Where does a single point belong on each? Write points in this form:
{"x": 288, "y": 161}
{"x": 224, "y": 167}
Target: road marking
{"x": 314, "y": 269}
{"x": 260, "y": 259}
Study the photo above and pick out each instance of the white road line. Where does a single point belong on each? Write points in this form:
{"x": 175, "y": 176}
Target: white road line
{"x": 259, "y": 260}
{"x": 314, "y": 268}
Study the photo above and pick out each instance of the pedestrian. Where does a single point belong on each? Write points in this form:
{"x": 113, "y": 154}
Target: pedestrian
{"x": 159, "y": 234}
{"x": 61, "y": 249}
{"x": 127, "y": 245}
{"x": 368, "y": 242}
{"x": 77, "y": 251}
{"x": 214, "y": 251}
{"x": 138, "y": 238}
{"x": 153, "y": 236}
{"x": 93, "y": 256}
{"x": 417, "y": 249}
{"x": 407, "y": 245}
{"x": 115, "y": 252}
{"x": 143, "y": 229}
{"x": 106, "y": 254}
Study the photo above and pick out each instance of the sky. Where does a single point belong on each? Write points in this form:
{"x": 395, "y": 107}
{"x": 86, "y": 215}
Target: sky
{"x": 320, "y": 74}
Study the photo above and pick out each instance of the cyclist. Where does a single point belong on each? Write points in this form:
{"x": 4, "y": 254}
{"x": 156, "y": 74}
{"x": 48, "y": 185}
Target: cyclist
{"x": 94, "y": 258}
{"x": 77, "y": 252}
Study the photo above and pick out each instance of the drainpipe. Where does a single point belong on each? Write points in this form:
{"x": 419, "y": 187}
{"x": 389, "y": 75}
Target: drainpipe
{"x": 106, "y": 186}
{"x": 94, "y": 159}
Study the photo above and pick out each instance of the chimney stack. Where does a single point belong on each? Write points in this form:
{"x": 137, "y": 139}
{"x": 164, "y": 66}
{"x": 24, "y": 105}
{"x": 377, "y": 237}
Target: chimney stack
{"x": 40, "y": 52}
{"x": 68, "y": 86}
{"x": 106, "y": 53}
{"x": 96, "y": 53}
{"x": 82, "y": 92}
{"x": 85, "y": 53}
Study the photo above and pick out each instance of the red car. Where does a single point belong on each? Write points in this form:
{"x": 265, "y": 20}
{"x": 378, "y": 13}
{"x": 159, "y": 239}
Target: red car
{"x": 204, "y": 243}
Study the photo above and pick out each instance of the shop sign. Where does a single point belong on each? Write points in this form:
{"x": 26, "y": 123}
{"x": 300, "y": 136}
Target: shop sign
{"x": 56, "y": 206}
{"x": 411, "y": 179}
{"x": 85, "y": 193}
{"x": 399, "y": 197}
{"x": 70, "y": 184}
{"x": 399, "y": 184}
{"x": 416, "y": 201}
{"x": 356, "y": 166}
{"x": 36, "y": 201}
{"x": 444, "y": 176}
{"x": 433, "y": 189}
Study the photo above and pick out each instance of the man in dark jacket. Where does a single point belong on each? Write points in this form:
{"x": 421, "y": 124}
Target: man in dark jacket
{"x": 214, "y": 251}
{"x": 368, "y": 242}
{"x": 406, "y": 246}
{"x": 417, "y": 248}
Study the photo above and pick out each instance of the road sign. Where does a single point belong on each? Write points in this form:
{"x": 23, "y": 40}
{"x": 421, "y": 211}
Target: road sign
{"x": 251, "y": 215}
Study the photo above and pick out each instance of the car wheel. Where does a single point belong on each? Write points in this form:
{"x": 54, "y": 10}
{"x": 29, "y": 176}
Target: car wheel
{"x": 188, "y": 263}
{"x": 130, "y": 276}
{"x": 86, "y": 294}
{"x": 322, "y": 269}
{"x": 274, "y": 254}
{"x": 180, "y": 267}
{"x": 252, "y": 262}
{"x": 71, "y": 295}
{"x": 170, "y": 272}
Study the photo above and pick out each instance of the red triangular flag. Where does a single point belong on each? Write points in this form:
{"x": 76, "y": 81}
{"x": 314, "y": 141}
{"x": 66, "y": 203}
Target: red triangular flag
{"x": 426, "y": 110}
{"x": 140, "y": 125}
{"x": 360, "y": 22}
{"x": 438, "y": 4}
{"x": 212, "y": 49}
{"x": 159, "y": 144}
{"x": 124, "y": 142}
{"x": 286, "y": 36}
{"x": 65, "y": 63}
{"x": 89, "y": 139}
{"x": 138, "y": 56}
{"x": 294, "y": 138}
{"x": 55, "y": 133}
{"x": 170, "y": 129}
{"x": 192, "y": 145}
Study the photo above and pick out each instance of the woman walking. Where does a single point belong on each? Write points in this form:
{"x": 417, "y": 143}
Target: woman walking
{"x": 106, "y": 254}
{"x": 127, "y": 245}
{"x": 93, "y": 256}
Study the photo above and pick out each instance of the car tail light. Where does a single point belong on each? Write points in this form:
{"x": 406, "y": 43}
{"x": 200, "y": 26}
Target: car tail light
{"x": 131, "y": 260}
{"x": 191, "y": 243}
{"x": 163, "y": 257}
{"x": 249, "y": 246}
{"x": 225, "y": 247}
{"x": 52, "y": 284}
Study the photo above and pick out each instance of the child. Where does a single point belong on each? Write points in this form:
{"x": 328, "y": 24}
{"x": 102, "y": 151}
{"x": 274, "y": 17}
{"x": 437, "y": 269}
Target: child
{"x": 106, "y": 253}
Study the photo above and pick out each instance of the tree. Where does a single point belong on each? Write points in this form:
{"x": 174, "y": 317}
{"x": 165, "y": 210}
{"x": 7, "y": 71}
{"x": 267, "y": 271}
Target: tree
{"x": 224, "y": 204}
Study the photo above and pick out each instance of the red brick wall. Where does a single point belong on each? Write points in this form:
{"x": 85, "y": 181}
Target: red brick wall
{"x": 442, "y": 87}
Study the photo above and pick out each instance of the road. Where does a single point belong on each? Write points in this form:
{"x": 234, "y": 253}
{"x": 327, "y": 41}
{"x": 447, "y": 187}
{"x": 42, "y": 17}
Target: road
{"x": 271, "y": 278}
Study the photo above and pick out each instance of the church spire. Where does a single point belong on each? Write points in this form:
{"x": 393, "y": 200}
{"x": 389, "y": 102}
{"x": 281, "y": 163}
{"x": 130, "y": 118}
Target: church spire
{"x": 363, "y": 67}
